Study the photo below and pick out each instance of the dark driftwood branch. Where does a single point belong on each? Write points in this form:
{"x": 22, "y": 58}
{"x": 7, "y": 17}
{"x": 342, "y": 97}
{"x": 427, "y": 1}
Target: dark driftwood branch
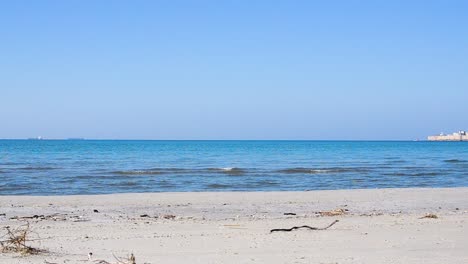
{"x": 304, "y": 226}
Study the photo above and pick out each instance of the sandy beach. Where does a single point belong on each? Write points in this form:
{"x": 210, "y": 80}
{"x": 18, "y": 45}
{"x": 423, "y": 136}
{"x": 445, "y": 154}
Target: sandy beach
{"x": 375, "y": 226}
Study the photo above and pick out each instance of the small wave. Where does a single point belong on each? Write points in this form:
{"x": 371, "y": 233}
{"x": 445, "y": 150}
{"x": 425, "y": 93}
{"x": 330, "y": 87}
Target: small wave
{"x": 301, "y": 170}
{"x": 395, "y": 161}
{"x": 124, "y": 184}
{"x": 395, "y": 174}
{"x": 218, "y": 186}
{"x": 425, "y": 174}
{"x": 229, "y": 171}
{"x": 418, "y": 174}
{"x": 83, "y": 177}
{"x": 137, "y": 172}
{"x": 11, "y": 163}
{"x": 68, "y": 180}
{"x": 32, "y": 168}
{"x": 165, "y": 184}
{"x": 171, "y": 170}
{"x": 455, "y": 161}
{"x": 320, "y": 171}
{"x": 265, "y": 183}
{"x": 155, "y": 171}
{"x": 392, "y": 158}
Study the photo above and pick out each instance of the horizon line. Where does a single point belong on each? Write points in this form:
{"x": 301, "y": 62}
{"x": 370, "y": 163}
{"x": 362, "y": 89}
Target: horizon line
{"x": 133, "y": 139}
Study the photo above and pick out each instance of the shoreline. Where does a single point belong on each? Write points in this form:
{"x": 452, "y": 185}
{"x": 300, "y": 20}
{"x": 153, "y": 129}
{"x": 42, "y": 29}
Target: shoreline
{"x": 215, "y": 191}
{"x": 375, "y": 226}
{"x": 228, "y": 192}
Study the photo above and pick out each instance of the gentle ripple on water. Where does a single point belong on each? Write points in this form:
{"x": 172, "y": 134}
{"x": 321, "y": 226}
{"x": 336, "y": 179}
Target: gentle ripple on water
{"x": 92, "y": 167}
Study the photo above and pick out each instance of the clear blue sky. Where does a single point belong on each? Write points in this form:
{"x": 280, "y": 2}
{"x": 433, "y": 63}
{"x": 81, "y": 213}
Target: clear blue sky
{"x": 233, "y": 69}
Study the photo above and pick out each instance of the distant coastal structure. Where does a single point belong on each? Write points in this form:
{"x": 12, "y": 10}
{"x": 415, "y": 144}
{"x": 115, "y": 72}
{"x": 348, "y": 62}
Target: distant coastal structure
{"x": 457, "y": 136}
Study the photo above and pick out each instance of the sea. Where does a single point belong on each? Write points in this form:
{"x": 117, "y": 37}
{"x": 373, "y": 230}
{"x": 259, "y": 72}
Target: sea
{"x": 69, "y": 167}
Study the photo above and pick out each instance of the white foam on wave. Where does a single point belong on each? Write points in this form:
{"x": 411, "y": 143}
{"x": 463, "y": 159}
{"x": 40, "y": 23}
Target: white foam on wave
{"x": 320, "y": 171}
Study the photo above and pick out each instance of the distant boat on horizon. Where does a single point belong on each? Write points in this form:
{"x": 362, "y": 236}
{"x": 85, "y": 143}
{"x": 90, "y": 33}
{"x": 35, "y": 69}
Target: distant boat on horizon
{"x": 36, "y": 138}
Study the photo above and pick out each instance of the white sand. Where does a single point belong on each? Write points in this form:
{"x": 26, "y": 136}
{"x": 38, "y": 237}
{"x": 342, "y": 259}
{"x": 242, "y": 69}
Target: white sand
{"x": 381, "y": 226}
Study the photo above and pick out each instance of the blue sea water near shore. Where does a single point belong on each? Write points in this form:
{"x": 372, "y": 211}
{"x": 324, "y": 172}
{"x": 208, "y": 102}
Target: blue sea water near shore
{"x": 63, "y": 167}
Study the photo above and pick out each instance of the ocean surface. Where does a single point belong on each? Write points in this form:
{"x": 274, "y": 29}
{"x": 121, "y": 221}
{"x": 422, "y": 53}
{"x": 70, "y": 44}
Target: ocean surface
{"x": 63, "y": 167}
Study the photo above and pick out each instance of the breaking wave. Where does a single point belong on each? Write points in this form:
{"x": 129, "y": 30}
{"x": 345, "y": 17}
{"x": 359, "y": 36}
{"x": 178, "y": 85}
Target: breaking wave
{"x": 229, "y": 171}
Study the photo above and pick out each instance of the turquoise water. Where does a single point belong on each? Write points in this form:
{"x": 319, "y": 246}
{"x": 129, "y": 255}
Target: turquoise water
{"x": 56, "y": 167}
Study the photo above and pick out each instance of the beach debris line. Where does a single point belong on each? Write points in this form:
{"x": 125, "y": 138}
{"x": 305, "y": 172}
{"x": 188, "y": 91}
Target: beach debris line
{"x": 48, "y": 262}
{"x": 169, "y": 216}
{"x": 336, "y": 212}
{"x": 53, "y": 217}
{"x": 15, "y": 240}
{"x": 166, "y": 216}
{"x": 372, "y": 214}
{"x": 128, "y": 260}
{"x": 42, "y": 217}
{"x": 432, "y": 216}
{"x": 304, "y": 226}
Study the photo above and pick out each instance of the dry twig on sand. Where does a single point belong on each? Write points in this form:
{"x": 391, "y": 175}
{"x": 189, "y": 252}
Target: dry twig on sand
{"x": 15, "y": 240}
{"x": 304, "y": 226}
